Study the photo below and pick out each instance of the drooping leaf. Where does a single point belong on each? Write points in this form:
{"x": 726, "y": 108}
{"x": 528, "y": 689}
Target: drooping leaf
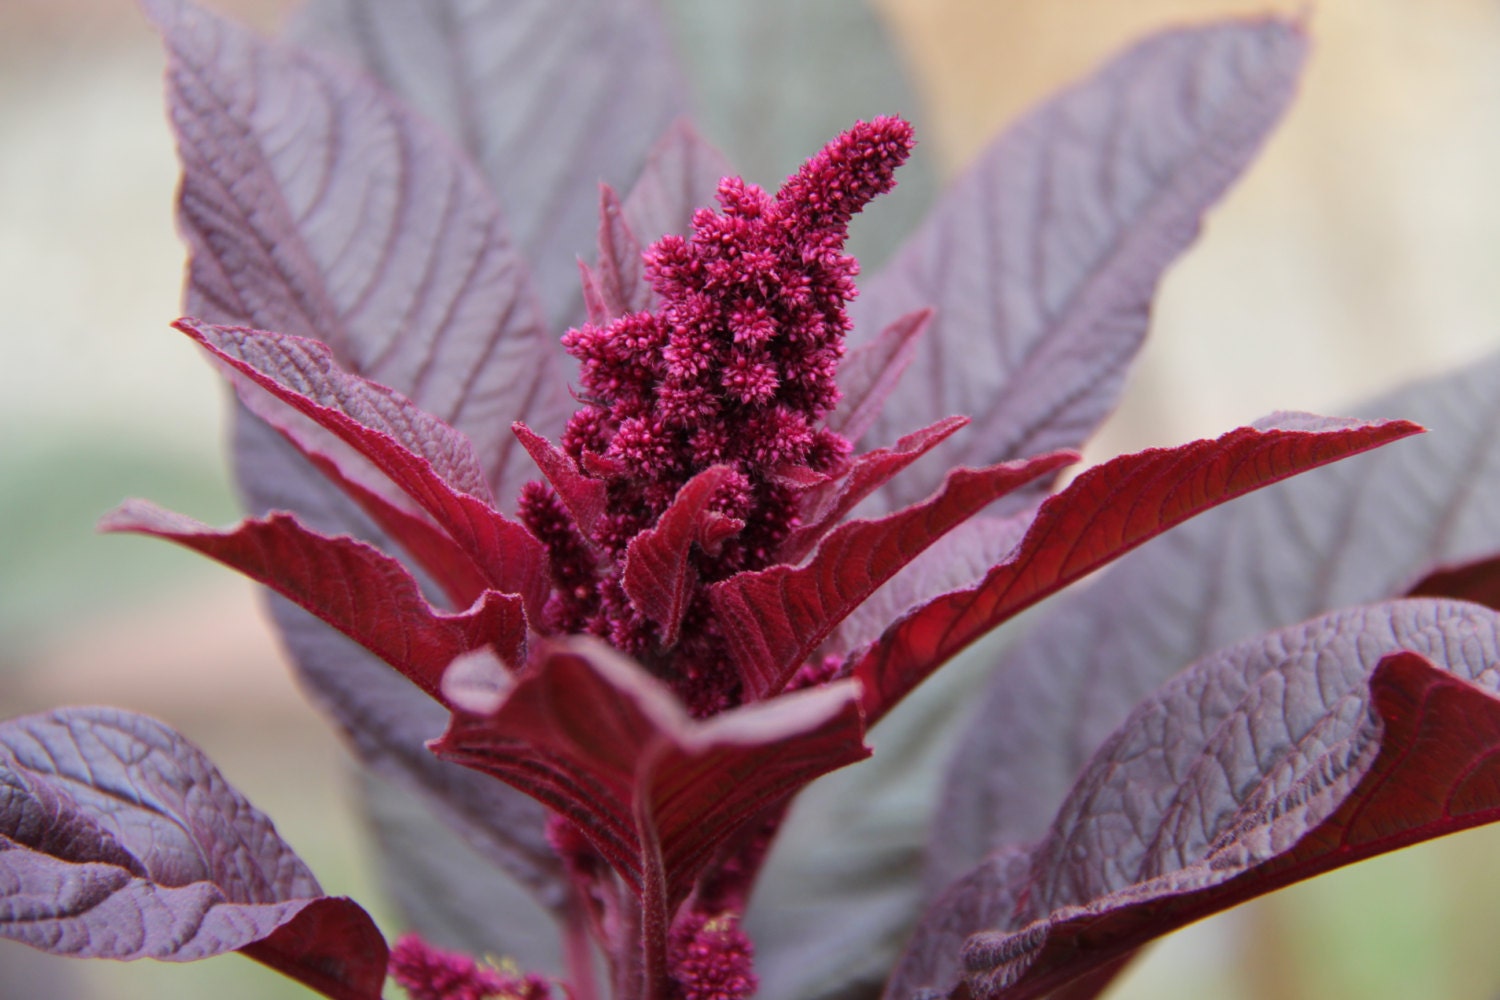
{"x": 351, "y": 586}
{"x": 588, "y": 732}
{"x": 119, "y": 839}
{"x": 1043, "y": 259}
{"x": 548, "y": 98}
{"x": 1362, "y": 530}
{"x": 316, "y": 205}
{"x": 1270, "y": 762}
{"x": 774, "y": 618}
{"x": 1101, "y": 515}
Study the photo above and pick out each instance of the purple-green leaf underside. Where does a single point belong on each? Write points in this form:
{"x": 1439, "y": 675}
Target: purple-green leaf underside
{"x": 1272, "y": 761}
{"x": 119, "y": 839}
{"x": 1043, "y": 258}
{"x": 1104, "y": 513}
{"x": 548, "y": 98}
{"x": 1362, "y": 530}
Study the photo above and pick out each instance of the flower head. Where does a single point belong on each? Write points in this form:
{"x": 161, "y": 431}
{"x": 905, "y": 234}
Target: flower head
{"x": 735, "y": 368}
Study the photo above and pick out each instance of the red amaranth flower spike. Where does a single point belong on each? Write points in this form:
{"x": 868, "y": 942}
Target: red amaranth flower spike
{"x": 428, "y": 973}
{"x": 735, "y": 368}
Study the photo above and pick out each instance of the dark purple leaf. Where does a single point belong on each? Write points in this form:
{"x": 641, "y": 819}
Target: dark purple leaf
{"x": 588, "y": 732}
{"x": 119, "y": 839}
{"x": 1275, "y": 760}
{"x": 1102, "y": 514}
{"x": 427, "y": 459}
{"x": 1477, "y": 581}
{"x": 317, "y": 206}
{"x": 870, "y": 372}
{"x": 774, "y": 618}
{"x": 1043, "y": 259}
{"x": 658, "y": 576}
{"x": 1362, "y": 530}
{"x": 350, "y": 585}
{"x": 548, "y": 98}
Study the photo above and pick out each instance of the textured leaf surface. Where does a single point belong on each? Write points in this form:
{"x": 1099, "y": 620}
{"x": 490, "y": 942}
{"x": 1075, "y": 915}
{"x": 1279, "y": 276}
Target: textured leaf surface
{"x": 317, "y": 206}
{"x": 426, "y": 458}
{"x": 363, "y": 593}
{"x": 681, "y": 175}
{"x": 119, "y": 839}
{"x": 774, "y": 618}
{"x": 548, "y": 98}
{"x": 590, "y": 733}
{"x": 1272, "y": 761}
{"x": 870, "y": 372}
{"x": 1043, "y": 259}
{"x": 1362, "y": 530}
{"x": 1102, "y": 514}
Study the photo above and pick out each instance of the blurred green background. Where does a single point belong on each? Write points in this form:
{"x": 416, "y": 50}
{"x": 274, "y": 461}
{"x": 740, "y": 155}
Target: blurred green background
{"x": 1358, "y": 253}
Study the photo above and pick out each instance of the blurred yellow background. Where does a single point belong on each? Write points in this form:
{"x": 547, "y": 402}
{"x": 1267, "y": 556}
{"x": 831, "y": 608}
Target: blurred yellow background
{"x": 1356, "y": 254}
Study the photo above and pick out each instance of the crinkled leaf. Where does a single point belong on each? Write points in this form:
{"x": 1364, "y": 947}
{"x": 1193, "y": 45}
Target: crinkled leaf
{"x": 824, "y": 504}
{"x": 350, "y": 585}
{"x": 316, "y": 205}
{"x": 588, "y": 732}
{"x": 430, "y": 461}
{"x": 119, "y": 839}
{"x": 1102, "y": 514}
{"x": 1362, "y": 530}
{"x": 774, "y": 618}
{"x": 1043, "y": 259}
{"x": 1283, "y": 757}
{"x": 869, "y": 373}
{"x": 658, "y": 576}
{"x": 547, "y": 98}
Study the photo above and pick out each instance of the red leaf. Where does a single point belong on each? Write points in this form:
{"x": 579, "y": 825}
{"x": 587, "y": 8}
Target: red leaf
{"x": 826, "y": 502}
{"x": 124, "y": 841}
{"x": 1104, "y": 513}
{"x": 588, "y": 732}
{"x": 352, "y": 586}
{"x": 620, "y": 273}
{"x": 1287, "y": 756}
{"x": 869, "y": 373}
{"x": 1477, "y": 581}
{"x": 584, "y": 496}
{"x": 658, "y": 577}
{"x": 1043, "y": 259}
{"x": 774, "y": 618}
{"x": 423, "y": 456}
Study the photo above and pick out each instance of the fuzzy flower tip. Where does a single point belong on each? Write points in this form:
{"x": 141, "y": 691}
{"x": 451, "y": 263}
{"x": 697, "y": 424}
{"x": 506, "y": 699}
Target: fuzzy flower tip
{"x": 712, "y": 958}
{"x": 735, "y": 367}
{"x": 428, "y": 973}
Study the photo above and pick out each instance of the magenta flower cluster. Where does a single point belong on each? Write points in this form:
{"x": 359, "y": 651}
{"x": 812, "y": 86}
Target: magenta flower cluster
{"x": 733, "y": 372}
